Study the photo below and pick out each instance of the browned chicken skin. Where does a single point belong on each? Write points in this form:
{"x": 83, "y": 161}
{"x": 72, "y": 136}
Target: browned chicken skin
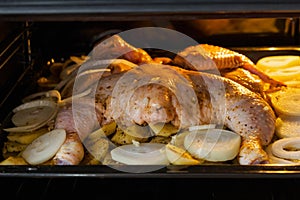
{"x": 205, "y": 57}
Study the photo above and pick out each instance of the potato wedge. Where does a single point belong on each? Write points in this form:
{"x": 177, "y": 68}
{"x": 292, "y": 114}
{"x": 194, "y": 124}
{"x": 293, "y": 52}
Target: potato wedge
{"x": 10, "y": 146}
{"x": 162, "y": 129}
{"x": 14, "y": 160}
{"x": 121, "y": 138}
{"x": 179, "y": 156}
{"x": 26, "y": 137}
{"x": 105, "y": 130}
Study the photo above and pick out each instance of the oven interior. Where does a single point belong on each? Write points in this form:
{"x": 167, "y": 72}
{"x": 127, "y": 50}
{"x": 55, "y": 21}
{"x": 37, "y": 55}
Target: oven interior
{"x": 28, "y": 43}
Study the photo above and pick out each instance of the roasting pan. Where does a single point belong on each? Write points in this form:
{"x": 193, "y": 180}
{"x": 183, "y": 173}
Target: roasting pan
{"x": 50, "y": 35}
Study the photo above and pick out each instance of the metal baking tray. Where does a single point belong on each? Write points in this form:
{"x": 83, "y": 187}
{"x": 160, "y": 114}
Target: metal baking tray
{"x": 227, "y": 170}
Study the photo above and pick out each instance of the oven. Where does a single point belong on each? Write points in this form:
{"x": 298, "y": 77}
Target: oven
{"x": 37, "y": 34}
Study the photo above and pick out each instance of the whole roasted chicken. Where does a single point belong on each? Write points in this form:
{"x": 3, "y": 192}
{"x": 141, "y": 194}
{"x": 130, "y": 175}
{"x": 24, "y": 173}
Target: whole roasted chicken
{"x": 171, "y": 92}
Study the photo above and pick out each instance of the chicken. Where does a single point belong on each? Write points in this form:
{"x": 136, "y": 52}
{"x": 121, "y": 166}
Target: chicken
{"x": 78, "y": 120}
{"x": 186, "y": 97}
{"x": 205, "y": 57}
{"x": 116, "y": 47}
{"x": 248, "y": 80}
{"x": 190, "y": 98}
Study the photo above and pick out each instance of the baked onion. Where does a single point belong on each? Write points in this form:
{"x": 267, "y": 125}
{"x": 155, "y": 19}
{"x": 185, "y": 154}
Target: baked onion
{"x": 287, "y": 148}
{"x": 141, "y": 154}
{"x": 287, "y": 127}
{"x": 33, "y": 115}
{"x": 52, "y": 94}
{"x": 202, "y": 127}
{"x": 288, "y": 104}
{"x": 213, "y": 144}
{"x": 274, "y": 63}
{"x": 276, "y": 160}
{"x": 44, "y": 147}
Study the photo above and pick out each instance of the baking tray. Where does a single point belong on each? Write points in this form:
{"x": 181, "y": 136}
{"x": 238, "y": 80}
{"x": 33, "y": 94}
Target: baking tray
{"x": 217, "y": 171}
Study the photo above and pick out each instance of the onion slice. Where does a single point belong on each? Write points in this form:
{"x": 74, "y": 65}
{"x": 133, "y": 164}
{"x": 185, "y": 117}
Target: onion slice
{"x": 32, "y": 115}
{"x": 44, "y": 147}
{"x": 77, "y": 96}
{"x": 279, "y": 148}
{"x": 142, "y": 154}
{"x": 276, "y": 160}
{"x": 288, "y": 104}
{"x": 201, "y": 127}
{"x": 213, "y": 144}
{"x": 51, "y": 93}
{"x": 287, "y": 127}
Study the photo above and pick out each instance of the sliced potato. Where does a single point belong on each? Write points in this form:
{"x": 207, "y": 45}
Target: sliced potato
{"x": 105, "y": 130}
{"x": 14, "y": 146}
{"x": 89, "y": 159}
{"x": 14, "y": 160}
{"x": 179, "y": 156}
{"x": 26, "y": 137}
{"x": 163, "y": 129}
{"x": 120, "y": 138}
{"x": 98, "y": 149}
{"x": 160, "y": 139}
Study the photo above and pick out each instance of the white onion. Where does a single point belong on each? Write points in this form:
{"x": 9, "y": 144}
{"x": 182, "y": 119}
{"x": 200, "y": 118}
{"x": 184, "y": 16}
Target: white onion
{"x": 201, "y": 127}
{"x": 288, "y": 104}
{"x": 213, "y": 144}
{"x": 35, "y": 103}
{"x": 74, "y": 97}
{"x": 287, "y": 127}
{"x": 279, "y": 148}
{"x": 44, "y": 147}
{"x": 51, "y": 93}
{"x": 29, "y": 122}
{"x": 142, "y": 154}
